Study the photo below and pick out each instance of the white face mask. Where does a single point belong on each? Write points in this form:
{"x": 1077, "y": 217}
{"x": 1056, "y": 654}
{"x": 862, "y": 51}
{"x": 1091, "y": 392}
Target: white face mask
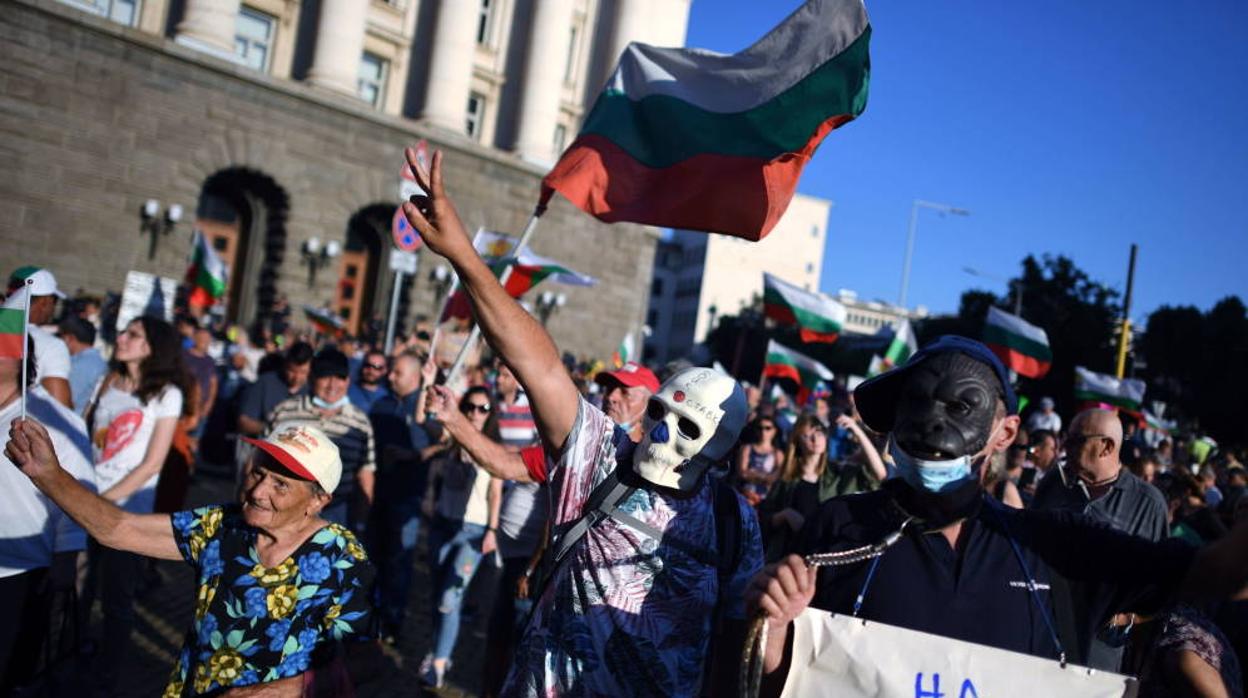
{"x": 689, "y": 425}
{"x": 335, "y": 405}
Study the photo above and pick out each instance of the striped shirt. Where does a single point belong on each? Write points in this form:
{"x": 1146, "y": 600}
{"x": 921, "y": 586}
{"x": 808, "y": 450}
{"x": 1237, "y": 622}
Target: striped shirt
{"x": 349, "y": 429}
{"x": 515, "y": 424}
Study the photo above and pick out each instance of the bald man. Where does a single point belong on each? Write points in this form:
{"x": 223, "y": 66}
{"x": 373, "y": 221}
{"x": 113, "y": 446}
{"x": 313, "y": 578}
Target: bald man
{"x": 1094, "y": 482}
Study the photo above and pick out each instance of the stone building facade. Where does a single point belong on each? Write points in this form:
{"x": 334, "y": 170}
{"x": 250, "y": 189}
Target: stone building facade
{"x": 97, "y": 118}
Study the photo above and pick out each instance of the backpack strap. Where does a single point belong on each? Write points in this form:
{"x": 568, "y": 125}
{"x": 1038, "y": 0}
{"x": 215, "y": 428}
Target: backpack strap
{"x": 727, "y": 529}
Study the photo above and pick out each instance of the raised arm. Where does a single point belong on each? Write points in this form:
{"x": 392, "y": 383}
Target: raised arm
{"x": 31, "y": 450}
{"x": 513, "y": 333}
{"x": 491, "y": 455}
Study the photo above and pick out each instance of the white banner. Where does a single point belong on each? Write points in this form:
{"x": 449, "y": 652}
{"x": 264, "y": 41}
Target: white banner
{"x": 843, "y": 656}
{"x": 146, "y": 294}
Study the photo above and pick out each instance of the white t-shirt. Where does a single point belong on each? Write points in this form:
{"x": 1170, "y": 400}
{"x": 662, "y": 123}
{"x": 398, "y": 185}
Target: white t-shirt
{"x": 51, "y": 355}
{"x": 32, "y": 528}
{"x": 123, "y": 428}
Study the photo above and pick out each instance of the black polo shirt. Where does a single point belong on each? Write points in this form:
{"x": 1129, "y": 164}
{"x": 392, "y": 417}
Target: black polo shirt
{"x": 979, "y": 593}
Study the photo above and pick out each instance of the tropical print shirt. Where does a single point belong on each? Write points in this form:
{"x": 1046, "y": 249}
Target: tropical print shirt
{"x": 625, "y": 614}
{"x": 254, "y": 624}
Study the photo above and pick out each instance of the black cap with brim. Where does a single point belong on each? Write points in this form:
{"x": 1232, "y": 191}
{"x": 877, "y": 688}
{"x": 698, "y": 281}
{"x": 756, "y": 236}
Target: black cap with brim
{"x": 877, "y": 398}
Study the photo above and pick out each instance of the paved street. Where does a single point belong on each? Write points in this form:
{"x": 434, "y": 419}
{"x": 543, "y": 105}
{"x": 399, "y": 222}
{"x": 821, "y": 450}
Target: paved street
{"x": 165, "y": 609}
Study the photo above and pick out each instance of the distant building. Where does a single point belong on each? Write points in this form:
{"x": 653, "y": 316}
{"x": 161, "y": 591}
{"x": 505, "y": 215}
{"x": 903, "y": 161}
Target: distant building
{"x": 277, "y": 126}
{"x": 870, "y": 317}
{"x": 699, "y": 277}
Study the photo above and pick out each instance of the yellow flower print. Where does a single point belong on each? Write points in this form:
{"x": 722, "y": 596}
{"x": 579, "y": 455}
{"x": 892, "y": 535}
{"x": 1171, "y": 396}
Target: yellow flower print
{"x": 274, "y": 576}
{"x": 331, "y": 615}
{"x": 281, "y": 601}
{"x": 197, "y": 543}
{"x": 202, "y": 680}
{"x": 225, "y": 666}
{"x": 210, "y": 523}
{"x": 204, "y": 599}
{"x": 174, "y": 688}
{"x": 355, "y": 550}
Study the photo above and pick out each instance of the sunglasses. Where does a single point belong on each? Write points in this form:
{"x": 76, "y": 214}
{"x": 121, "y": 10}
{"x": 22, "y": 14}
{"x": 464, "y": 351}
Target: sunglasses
{"x": 768, "y": 427}
{"x": 376, "y": 367}
{"x": 474, "y": 407}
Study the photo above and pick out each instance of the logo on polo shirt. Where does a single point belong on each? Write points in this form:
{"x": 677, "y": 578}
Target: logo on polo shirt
{"x": 1020, "y": 584}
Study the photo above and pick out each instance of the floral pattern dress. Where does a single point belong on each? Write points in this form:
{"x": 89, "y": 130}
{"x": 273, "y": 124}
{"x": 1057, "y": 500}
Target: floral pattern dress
{"x": 256, "y": 624}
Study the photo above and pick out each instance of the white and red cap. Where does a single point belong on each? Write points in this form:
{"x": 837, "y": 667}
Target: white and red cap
{"x": 305, "y": 451}
{"x": 629, "y": 375}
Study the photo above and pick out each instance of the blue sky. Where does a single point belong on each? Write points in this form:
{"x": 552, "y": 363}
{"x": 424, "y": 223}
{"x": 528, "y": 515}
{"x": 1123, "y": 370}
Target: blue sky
{"x": 1069, "y": 127}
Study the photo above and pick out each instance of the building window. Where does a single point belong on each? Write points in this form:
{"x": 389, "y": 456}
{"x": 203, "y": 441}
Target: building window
{"x": 569, "y": 66}
{"x": 476, "y": 115}
{"x": 561, "y": 137}
{"x": 372, "y": 78}
{"x": 656, "y": 288}
{"x": 814, "y": 231}
{"x": 484, "y": 22}
{"x": 120, "y": 11}
{"x": 810, "y": 267}
{"x": 253, "y": 38}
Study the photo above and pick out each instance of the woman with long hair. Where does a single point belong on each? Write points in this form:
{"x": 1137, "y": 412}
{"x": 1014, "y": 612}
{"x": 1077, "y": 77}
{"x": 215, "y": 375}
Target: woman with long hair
{"x": 464, "y": 509}
{"x": 759, "y": 461}
{"x": 807, "y": 480}
{"x": 132, "y": 418}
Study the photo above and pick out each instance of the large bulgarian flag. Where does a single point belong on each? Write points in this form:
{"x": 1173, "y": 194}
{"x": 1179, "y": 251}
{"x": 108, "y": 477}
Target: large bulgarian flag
{"x": 1020, "y": 345}
{"x": 1127, "y": 393}
{"x": 783, "y": 362}
{"x": 818, "y": 318}
{"x": 692, "y": 139}
{"x": 206, "y": 273}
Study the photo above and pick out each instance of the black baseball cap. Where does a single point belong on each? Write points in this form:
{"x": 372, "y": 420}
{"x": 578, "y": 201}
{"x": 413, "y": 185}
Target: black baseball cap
{"x": 330, "y": 362}
{"x": 876, "y": 399}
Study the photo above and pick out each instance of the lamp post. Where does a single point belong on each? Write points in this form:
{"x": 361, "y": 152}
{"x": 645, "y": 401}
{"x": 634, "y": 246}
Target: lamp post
{"x": 156, "y": 225}
{"x": 317, "y": 255}
{"x": 914, "y": 222}
{"x": 1016, "y": 286}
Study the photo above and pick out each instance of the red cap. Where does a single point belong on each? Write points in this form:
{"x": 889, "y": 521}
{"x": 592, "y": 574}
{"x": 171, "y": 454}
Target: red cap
{"x": 630, "y": 375}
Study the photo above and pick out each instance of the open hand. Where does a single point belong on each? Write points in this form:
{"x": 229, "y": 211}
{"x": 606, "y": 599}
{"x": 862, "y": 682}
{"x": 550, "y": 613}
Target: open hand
{"x": 433, "y": 215}
{"x": 30, "y": 449}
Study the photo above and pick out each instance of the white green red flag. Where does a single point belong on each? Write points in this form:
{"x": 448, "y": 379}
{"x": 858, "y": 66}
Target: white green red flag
{"x": 527, "y": 270}
{"x": 625, "y": 352}
{"x": 783, "y": 362}
{"x": 325, "y": 321}
{"x": 692, "y": 139}
{"x": 206, "y": 274}
{"x": 817, "y": 317}
{"x": 1127, "y": 393}
{"x": 902, "y": 345}
{"x": 1020, "y": 345}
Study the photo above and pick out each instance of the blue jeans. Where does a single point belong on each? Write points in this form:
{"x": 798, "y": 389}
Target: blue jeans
{"x": 393, "y": 532}
{"x": 455, "y": 549}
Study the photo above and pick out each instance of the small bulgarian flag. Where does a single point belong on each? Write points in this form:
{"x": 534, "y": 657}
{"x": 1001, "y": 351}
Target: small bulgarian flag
{"x": 898, "y": 352}
{"x": 625, "y": 352}
{"x": 324, "y": 321}
{"x": 527, "y": 270}
{"x": 697, "y": 140}
{"x": 206, "y": 273}
{"x": 1021, "y": 346}
{"x": 783, "y": 362}
{"x": 1127, "y": 393}
{"x": 818, "y": 318}
{"x": 12, "y": 333}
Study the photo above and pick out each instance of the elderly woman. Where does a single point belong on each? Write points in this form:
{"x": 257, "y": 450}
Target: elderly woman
{"x": 277, "y": 586}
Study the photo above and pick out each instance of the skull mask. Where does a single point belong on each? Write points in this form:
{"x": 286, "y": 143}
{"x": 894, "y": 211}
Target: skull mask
{"x": 690, "y": 425}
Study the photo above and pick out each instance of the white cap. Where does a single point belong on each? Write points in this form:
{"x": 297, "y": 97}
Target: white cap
{"x": 305, "y": 451}
{"x": 42, "y": 282}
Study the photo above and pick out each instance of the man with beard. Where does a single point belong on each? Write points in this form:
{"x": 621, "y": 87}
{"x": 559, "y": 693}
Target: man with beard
{"x": 965, "y": 566}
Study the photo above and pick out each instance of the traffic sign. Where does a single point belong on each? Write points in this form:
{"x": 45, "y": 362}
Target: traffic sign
{"x": 403, "y": 262}
{"x": 405, "y": 236}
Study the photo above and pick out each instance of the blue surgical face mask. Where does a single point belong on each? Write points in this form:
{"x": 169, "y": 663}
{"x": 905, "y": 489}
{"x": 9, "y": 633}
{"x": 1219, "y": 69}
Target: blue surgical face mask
{"x": 337, "y": 404}
{"x": 931, "y": 475}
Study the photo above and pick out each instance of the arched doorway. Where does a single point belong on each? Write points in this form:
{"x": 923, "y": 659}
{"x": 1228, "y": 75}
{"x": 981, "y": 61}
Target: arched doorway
{"x": 242, "y": 213}
{"x": 365, "y": 282}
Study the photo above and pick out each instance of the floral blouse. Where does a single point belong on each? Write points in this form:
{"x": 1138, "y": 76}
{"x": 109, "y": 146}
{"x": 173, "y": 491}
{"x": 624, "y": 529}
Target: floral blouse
{"x": 255, "y": 624}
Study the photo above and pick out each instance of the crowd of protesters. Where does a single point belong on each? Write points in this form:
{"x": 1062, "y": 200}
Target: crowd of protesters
{"x": 395, "y": 462}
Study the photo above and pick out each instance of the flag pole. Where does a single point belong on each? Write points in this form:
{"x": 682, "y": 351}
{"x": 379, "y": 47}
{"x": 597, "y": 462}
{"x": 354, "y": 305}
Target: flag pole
{"x": 529, "y": 229}
{"x": 26, "y": 344}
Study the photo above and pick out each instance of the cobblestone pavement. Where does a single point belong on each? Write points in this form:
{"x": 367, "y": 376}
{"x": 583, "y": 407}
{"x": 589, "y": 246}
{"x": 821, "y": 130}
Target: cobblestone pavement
{"x": 164, "y": 611}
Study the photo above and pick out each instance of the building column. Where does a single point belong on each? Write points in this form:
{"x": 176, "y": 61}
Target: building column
{"x": 208, "y": 26}
{"x": 450, "y": 64}
{"x": 543, "y": 79}
{"x": 339, "y": 45}
{"x": 629, "y": 26}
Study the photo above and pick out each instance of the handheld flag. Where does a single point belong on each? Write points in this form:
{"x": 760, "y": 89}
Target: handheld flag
{"x": 625, "y": 352}
{"x": 324, "y": 321}
{"x": 12, "y": 333}
{"x": 818, "y": 318}
{"x": 528, "y": 269}
{"x": 1127, "y": 393}
{"x": 688, "y": 138}
{"x": 783, "y": 362}
{"x": 899, "y": 350}
{"x": 206, "y": 274}
{"x": 1021, "y": 346}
